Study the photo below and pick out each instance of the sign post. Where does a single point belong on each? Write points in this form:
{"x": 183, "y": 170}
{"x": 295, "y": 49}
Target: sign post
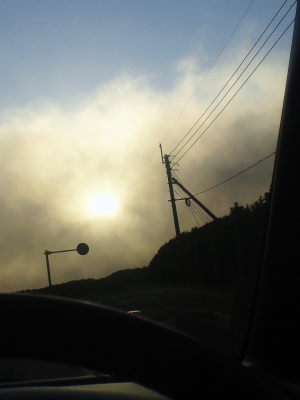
{"x": 82, "y": 249}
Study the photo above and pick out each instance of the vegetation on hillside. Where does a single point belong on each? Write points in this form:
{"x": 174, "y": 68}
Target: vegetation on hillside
{"x": 218, "y": 253}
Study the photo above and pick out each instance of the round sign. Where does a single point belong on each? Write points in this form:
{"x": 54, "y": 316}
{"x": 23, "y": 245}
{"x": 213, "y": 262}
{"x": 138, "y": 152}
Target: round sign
{"x": 82, "y": 249}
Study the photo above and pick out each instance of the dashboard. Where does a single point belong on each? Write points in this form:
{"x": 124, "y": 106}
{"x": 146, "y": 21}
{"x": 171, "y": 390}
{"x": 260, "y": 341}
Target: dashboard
{"x": 116, "y": 391}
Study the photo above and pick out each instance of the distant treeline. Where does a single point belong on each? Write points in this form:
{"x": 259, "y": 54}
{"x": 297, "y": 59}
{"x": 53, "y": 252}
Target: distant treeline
{"x": 220, "y": 253}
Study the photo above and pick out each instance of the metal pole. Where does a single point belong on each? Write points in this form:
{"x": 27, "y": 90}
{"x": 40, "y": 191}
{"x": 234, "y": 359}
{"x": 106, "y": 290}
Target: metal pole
{"x": 60, "y": 251}
{"x": 48, "y": 266}
{"x": 173, "y": 203}
{"x": 194, "y": 198}
{"x": 82, "y": 249}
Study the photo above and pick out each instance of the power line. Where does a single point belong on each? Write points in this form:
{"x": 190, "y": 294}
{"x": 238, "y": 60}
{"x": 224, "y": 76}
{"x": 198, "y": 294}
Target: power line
{"x": 178, "y": 194}
{"x": 230, "y": 100}
{"x": 235, "y": 71}
{"x": 194, "y": 216}
{"x": 205, "y": 217}
{"x": 210, "y": 69}
{"x": 200, "y": 214}
{"x": 197, "y": 222}
{"x": 176, "y": 176}
{"x": 215, "y": 98}
{"x": 238, "y": 78}
{"x": 196, "y": 210}
{"x": 197, "y": 213}
{"x": 237, "y": 174}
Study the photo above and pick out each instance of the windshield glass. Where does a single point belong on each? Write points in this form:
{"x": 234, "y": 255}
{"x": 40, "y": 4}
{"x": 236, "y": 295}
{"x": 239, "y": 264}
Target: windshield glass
{"x": 137, "y": 147}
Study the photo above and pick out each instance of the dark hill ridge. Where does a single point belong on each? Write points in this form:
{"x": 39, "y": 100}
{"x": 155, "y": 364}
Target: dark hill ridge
{"x": 218, "y": 253}
{"x": 96, "y": 289}
{"x": 189, "y": 283}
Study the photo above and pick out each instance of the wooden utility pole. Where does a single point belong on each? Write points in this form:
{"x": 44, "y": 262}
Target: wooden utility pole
{"x": 165, "y": 158}
{"x": 166, "y": 161}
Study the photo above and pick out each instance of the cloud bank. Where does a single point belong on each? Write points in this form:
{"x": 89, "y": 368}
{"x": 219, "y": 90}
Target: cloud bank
{"x": 54, "y": 157}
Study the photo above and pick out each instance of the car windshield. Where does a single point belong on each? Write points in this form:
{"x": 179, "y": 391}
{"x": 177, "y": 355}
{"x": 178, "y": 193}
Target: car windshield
{"x": 137, "y": 145}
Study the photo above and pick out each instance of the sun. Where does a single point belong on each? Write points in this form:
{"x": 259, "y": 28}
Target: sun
{"x": 102, "y": 204}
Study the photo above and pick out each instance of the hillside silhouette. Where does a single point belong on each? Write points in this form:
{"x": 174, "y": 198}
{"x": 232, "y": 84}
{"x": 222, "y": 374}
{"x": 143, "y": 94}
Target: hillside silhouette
{"x": 201, "y": 282}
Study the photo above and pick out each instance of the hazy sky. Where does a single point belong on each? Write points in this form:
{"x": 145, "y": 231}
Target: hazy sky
{"x": 88, "y": 91}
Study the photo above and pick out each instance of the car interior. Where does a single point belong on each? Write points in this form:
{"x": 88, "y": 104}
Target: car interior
{"x": 73, "y": 349}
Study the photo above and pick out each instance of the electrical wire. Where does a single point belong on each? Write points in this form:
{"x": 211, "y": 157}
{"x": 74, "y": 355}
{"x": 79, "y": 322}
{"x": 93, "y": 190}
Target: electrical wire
{"x": 228, "y": 92}
{"x": 225, "y": 85}
{"x": 197, "y": 222}
{"x": 243, "y": 84}
{"x": 176, "y": 176}
{"x": 201, "y": 215}
{"x": 230, "y": 76}
{"x": 198, "y": 210}
{"x": 178, "y": 194}
{"x": 210, "y": 69}
{"x": 237, "y": 174}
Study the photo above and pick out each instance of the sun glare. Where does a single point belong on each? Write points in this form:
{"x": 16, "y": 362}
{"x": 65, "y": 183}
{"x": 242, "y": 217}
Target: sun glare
{"x": 102, "y": 204}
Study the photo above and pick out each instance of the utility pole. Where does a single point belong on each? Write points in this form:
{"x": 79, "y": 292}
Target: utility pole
{"x": 166, "y": 161}
{"x": 191, "y": 196}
